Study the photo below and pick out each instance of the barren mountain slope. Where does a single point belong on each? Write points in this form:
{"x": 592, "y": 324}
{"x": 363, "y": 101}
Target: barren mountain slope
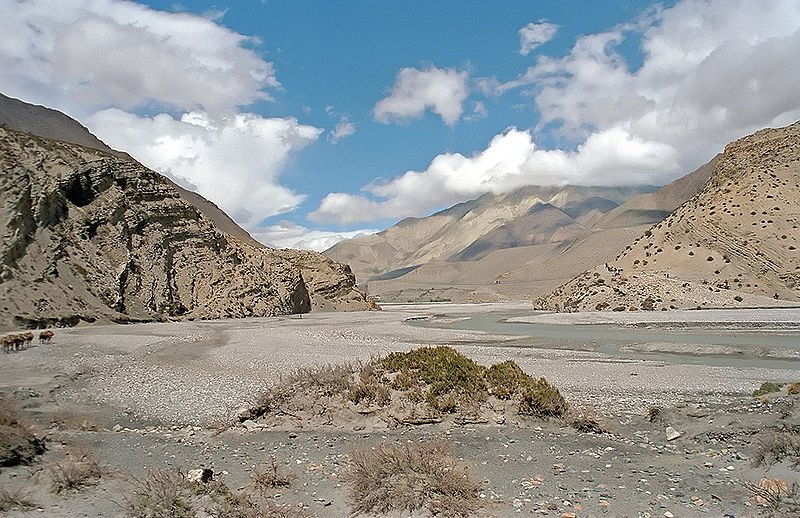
{"x": 650, "y": 208}
{"x": 527, "y": 272}
{"x": 543, "y": 223}
{"x": 442, "y": 236}
{"x": 52, "y": 124}
{"x": 87, "y": 236}
{"x": 733, "y": 244}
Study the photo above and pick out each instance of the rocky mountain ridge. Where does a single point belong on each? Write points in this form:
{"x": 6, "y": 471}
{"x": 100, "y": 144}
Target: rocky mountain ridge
{"x": 732, "y": 244}
{"x": 90, "y": 236}
{"x": 468, "y": 231}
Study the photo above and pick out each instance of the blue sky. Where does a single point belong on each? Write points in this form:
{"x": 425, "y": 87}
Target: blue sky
{"x": 312, "y": 121}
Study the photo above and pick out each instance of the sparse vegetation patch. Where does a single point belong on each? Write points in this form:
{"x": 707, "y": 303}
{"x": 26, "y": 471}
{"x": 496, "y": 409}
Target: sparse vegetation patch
{"x": 773, "y": 446}
{"x": 78, "y": 471}
{"x": 13, "y": 500}
{"x": 767, "y": 387}
{"x": 18, "y": 443}
{"x": 167, "y": 494}
{"x": 417, "y": 386}
{"x": 409, "y": 478}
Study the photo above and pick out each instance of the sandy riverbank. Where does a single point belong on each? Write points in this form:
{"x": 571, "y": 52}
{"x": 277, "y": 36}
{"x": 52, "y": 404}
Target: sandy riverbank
{"x": 168, "y": 387}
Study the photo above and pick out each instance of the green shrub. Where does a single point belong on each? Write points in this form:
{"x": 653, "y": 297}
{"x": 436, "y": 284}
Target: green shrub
{"x": 507, "y": 379}
{"x": 767, "y": 387}
{"x": 439, "y": 377}
{"x": 541, "y": 399}
{"x": 443, "y": 369}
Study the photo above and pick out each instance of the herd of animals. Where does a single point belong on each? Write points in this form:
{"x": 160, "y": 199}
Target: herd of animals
{"x": 21, "y": 341}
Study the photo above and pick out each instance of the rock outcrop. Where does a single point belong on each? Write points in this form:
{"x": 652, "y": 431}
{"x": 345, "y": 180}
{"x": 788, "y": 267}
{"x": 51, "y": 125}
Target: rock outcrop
{"x": 87, "y": 235}
{"x": 733, "y": 244}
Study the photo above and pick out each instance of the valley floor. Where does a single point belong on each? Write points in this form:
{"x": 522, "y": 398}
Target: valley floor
{"x": 157, "y": 396}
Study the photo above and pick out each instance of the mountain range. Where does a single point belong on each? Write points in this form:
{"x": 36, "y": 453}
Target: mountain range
{"x": 723, "y": 235}
{"x": 515, "y": 245}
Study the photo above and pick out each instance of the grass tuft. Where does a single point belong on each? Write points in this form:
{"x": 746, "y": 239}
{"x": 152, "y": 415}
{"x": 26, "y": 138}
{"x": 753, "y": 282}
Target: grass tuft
{"x": 409, "y": 478}
{"x": 775, "y": 497}
{"x": 772, "y": 447}
{"x": 162, "y": 494}
{"x": 11, "y": 500}
{"x": 165, "y": 494}
{"x": 271, "y": 477}
{"x": 79, "y": 471}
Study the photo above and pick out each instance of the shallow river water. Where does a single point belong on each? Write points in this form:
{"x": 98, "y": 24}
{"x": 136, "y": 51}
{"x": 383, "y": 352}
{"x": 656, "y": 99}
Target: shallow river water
{"x": 764, "y": 344}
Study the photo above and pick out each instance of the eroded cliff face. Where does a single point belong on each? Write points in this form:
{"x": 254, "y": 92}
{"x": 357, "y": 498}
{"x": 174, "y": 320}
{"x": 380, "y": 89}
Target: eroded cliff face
{"x": 331, "y": 285}
{"x": 89, "y": 236}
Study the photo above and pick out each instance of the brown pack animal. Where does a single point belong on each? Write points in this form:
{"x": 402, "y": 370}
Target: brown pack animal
{"x": 46, "y": 336}
{"x": 13, "y": 343}
{"x": 8, "y": 344}
{"x": 28, "y": 337}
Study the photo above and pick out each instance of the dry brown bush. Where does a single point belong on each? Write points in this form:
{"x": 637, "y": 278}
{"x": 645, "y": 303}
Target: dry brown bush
{"x": 78, "y": 471}
{"x": 242, "y": 505}
{"x": 11, "y": 500}
{"x": 67, "y": 420}
{"x": 585, "y": 420}
{"x": 18, "y": 443}
{"x": 410, "y": 478}
{"x": 776, "y": 502}
{"x": 162, "y": 494}
{"x": 166, "y": 494}
{"x": 654, "y": 413}
{"x": 271, "y": 477}
{"x": 773, "y": 446}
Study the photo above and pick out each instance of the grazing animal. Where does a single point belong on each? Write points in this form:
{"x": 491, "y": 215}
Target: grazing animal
{"x": 28, "y": 338}
{"x": 8, "y": 343}
{"x": 46, "y": 336}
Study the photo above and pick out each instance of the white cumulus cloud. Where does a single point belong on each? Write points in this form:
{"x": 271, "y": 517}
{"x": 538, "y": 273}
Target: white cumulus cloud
{"x": 234, "y": 162}
{"x": 534, "y": 35}
{"x": 343, "y": 129}
{"x": 109, "y": 61}
{"x": 94, "y": 54}
{"x": 511, "y": 160}
{"x": 712, "y": 71}
{"x": 442, "y": 90}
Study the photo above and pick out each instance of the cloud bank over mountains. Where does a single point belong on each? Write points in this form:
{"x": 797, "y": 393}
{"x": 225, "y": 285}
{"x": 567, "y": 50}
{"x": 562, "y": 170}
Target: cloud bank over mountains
{"x": 166, "y": 87}
{"x": 174, "y": 90}
{"x": 711, "y": 71}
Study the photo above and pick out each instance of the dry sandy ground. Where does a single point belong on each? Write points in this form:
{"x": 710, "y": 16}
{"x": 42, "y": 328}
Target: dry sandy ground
{"x": 158, "y": 393}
